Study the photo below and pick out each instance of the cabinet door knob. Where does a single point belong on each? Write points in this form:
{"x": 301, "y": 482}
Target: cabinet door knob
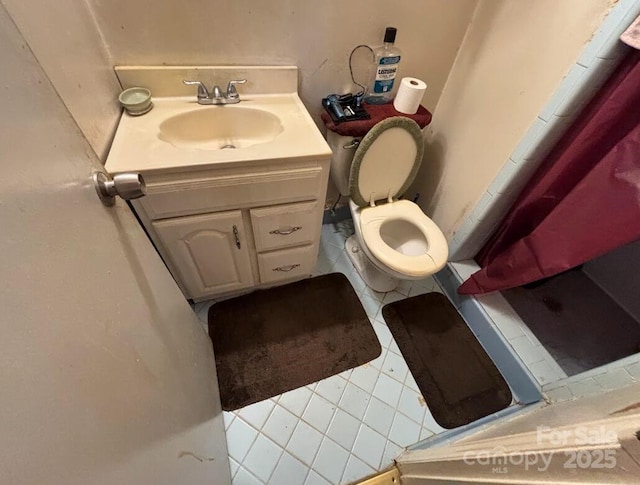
{"x": 285, "y": 232}
{"x": 286, "y": 268}
{"x": 235, "y": 234}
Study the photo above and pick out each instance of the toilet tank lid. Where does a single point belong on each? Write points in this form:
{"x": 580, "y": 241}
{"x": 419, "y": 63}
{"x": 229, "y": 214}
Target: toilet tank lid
{"x": 386, "y": 161}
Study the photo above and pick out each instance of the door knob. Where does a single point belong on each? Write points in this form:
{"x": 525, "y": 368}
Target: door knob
{"x": 126, "y": 185}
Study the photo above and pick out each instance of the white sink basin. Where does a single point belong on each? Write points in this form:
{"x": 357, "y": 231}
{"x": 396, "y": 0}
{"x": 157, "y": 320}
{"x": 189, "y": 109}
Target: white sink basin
{"x": 179, "y": 134}
{"x": 220, "y": 127}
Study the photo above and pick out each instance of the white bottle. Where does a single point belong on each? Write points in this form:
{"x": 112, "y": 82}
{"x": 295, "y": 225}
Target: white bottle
{"x": 387, "y": 60}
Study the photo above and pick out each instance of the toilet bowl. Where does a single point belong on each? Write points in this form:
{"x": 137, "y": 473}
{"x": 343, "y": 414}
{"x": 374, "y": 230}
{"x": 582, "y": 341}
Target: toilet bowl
{"x": 394, "y": 240}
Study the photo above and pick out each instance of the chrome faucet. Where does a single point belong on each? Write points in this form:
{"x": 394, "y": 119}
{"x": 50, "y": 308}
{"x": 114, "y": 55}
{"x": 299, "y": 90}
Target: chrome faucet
{"x": 215, "y": 96}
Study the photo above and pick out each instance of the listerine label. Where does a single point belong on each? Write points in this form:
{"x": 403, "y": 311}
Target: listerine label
{"x": 386, "y": 74}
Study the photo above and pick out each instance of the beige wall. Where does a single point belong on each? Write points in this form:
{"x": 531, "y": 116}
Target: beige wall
{"x": 315, "y": 36}
{"x": 63, "y": 37}
{"x": 512, "y": 59}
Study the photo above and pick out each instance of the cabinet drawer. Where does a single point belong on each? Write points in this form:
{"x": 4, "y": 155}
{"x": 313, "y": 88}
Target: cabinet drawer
{"x": 286, "y": 264}
{"x": 178, "y": 198}
{"x": 285, "y": 225}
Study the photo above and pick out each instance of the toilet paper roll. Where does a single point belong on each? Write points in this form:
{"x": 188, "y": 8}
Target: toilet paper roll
{"x": 409, "y": 95}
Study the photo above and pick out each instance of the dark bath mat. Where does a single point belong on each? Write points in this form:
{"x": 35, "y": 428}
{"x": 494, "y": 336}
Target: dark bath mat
{"x": 272, "y": 341}
{"x": 455, "y": 375}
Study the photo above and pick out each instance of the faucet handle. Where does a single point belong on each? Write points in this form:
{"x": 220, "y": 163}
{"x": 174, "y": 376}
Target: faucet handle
{"x": 203, "y": 92}
{"x": 231, "y": 88}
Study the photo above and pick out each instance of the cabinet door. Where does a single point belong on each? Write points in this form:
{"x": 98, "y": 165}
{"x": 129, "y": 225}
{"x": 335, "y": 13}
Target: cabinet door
{"x": 209, "y": 252}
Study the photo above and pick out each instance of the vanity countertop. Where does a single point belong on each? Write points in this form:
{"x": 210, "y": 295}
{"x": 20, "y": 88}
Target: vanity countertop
{"x": 138, "y": 145}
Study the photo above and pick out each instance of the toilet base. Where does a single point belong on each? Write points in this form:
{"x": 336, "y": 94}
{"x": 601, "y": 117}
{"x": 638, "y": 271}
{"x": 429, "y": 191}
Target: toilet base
{"x": 374, "y": 278}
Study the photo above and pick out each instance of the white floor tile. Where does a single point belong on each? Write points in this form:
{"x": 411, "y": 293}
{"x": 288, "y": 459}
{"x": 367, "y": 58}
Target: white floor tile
{"x": 431, "y": 424}
{"x": 243, "y": 477}
{"x": 356, "y": 469}
{"x": 391, "y": 452}
{"x": 378, "y": 361}
{"x": 375, "y": 295}
{"x": 371, "y": 306}
{"x": 393, "y": 347}
{"x": 331, "y": 460}
{"x": 343, "y": 429}
{"x": 392, "y": 296}
{"x": 332, "y": 388}
{"x": 418, "y": 290}
{"x": 233, "y": 466}
{"x": 280, "y": 425}
{"x": 544, "y": 372}
{"x": 404, "y": 431}
{"x": 404, "y": 287}
{"x": 369, "y": 446}
{"x": 395, "y": 366}
{"x": 240, "y": 437}
{"x": 304, "y": 443}
{"x": 526, "y": 350}
{"x": 343, "y": 264}
{"x": 356, "y": 281}
{"x": 262, "y": 458}
{"x": 412, "y": 405}
{"x": 296, "y": 401}
{"x": 315, "y": 479}
{"x": 256, "y": 414}
{"x": 319, "y": 413}
{"x": 388, "y": 390}
{"x": 289, "y": 471}
{"x": 228, "y": 419}
{"x": 379, "y": 416}
{"x": 330, "y": 251}
{"x": 411, "y": 383}
{"x": 383, "y": 333}
{"x": 425, "y": 433}
{"x": 354, "y": 401}
{"x": 365, "y": 377}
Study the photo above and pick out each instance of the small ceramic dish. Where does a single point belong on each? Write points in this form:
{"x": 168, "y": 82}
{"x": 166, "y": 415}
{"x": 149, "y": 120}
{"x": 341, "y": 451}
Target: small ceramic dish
{"x": 136, "y": 101}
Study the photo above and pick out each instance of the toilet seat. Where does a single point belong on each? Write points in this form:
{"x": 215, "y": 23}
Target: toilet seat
{"x": 372, "y": 220}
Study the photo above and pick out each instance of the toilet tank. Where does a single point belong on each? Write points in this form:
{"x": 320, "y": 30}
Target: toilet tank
{"x": 343, "y": 148}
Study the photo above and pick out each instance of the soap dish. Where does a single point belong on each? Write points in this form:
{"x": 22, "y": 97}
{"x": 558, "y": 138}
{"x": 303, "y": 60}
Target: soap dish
{"x": 137, "y": 101}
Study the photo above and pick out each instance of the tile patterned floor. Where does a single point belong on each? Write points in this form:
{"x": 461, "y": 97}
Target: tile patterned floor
{"x": 342, "y": 428}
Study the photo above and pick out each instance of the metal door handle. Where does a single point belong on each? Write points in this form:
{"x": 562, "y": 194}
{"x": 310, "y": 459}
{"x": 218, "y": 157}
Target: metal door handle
{"x": 286, "y": 268}
{"x": 235, "y": 234}
{"x": 127, "y": 185}
{"x": 285, "y": 232}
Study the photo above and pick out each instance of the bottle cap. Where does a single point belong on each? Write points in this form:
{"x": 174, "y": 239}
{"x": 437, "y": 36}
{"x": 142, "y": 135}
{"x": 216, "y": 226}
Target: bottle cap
{"x": 390, "y": 35}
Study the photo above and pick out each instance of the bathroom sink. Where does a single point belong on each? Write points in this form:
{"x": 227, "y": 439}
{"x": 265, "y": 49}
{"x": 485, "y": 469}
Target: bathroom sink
{"x": 216, "y": 128}
{"x": 269, "y": 124}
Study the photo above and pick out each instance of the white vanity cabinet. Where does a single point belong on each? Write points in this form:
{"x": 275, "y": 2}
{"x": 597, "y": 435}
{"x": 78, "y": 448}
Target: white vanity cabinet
{"x": 223, "y": 231}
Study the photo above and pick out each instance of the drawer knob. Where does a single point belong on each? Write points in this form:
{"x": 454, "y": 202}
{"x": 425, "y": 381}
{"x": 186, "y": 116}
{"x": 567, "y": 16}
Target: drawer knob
{"x": 286, "y": 268}
{"x": 285, "y": 232}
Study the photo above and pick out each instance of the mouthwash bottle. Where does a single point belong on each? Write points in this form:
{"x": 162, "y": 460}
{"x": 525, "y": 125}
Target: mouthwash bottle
{"x": 387, "y": 60}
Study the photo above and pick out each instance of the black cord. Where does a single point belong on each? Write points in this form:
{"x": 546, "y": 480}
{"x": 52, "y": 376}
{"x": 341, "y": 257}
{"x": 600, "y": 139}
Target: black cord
{"x": 351, "y": 67}
{"x": 333, "y": 208}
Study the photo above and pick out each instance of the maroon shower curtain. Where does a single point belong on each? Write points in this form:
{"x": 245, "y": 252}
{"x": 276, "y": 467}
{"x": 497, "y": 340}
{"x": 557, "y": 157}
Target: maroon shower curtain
{"x": 583, "y": 201}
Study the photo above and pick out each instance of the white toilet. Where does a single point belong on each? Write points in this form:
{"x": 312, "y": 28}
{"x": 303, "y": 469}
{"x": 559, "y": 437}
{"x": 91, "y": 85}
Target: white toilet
{"x": 394, "y": 239}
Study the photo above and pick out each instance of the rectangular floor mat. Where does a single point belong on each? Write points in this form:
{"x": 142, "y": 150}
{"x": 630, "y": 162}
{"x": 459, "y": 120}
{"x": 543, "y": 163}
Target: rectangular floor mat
{"x": 272, "y": 341}
{"x": 455, "y": 375}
